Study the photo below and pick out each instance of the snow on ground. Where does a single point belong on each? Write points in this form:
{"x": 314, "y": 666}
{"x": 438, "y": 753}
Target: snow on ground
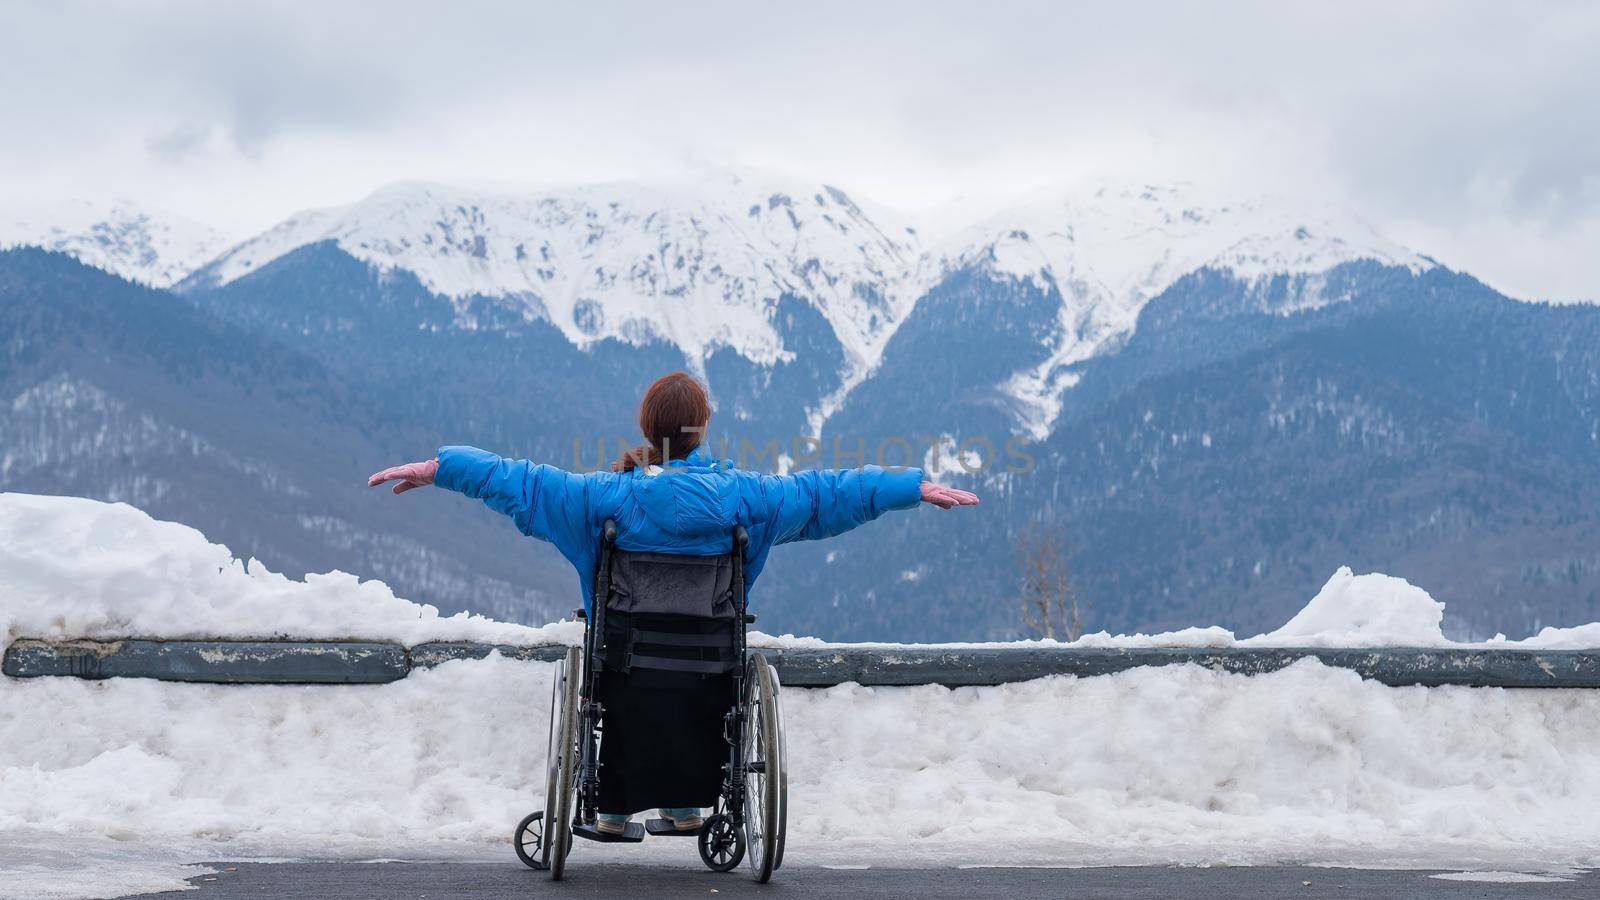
{"x": 45, "y": 865}
{"x": 1177, "y": 764}
{"x": 1498, "y": 877}
{"x": 120, "y": 780}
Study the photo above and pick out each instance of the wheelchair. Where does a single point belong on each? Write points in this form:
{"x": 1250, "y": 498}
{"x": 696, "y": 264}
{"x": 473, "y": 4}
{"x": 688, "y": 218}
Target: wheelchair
{"x": 663, "y": 706}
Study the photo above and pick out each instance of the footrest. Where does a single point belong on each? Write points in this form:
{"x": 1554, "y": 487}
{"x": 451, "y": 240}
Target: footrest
{"x": 665, "y": 828}
{"x": 633, "y": 835}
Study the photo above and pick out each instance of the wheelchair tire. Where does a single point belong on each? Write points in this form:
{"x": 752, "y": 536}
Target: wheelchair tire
{"x": 764, "y": 776}
{"x": 783, "y": 774}
{"x": 560, "y": 761}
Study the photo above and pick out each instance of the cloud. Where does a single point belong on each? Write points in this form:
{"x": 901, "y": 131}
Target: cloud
{"x": 1471, "y": 125}
{"x": 179, "y": 142}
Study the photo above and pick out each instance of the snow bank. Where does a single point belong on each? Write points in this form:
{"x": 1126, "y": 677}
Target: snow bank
{"x": 1177, "y": 764}
{"x": 75, "y": 568}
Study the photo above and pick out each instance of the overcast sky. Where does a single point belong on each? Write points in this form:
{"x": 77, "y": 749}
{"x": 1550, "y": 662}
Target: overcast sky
{"x": 1468, "y": 131}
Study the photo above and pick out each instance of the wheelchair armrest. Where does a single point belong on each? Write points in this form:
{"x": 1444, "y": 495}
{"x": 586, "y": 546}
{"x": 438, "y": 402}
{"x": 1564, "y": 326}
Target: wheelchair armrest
{"x": 580, "y": 615}
{"x": 749, "y": 618}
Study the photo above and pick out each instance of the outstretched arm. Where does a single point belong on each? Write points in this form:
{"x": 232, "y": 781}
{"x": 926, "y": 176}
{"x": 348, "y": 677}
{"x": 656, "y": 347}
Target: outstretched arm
{"x": 542, "y": 501}
{"x": 819, "y": 504}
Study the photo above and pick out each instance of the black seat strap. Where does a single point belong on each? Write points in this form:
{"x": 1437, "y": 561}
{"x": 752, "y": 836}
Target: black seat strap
{"x": 702, "y": 667}
{"x": 677, "y": 639}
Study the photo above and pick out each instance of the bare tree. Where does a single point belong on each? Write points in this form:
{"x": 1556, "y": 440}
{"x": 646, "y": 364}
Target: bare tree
{"x": 1051, "y": 607}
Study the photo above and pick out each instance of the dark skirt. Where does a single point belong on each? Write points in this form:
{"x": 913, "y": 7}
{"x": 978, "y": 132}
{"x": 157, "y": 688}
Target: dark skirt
{"x": 662, "y": 741}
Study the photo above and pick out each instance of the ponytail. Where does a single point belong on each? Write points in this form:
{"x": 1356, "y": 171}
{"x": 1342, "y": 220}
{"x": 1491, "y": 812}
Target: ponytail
{"x": 644, "y": 454}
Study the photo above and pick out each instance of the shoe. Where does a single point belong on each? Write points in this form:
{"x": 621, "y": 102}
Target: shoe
{"x": 607, "y": 826}
{"x": 692, "y": 823}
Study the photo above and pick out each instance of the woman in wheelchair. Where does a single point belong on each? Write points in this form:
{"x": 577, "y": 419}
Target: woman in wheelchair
{"x": 668, "y": 496}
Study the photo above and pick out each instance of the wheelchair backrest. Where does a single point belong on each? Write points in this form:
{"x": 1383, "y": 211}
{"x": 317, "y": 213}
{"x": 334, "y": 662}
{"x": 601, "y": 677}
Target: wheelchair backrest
{"x": 665, "y": 584}
{"x": 681, "y": 616}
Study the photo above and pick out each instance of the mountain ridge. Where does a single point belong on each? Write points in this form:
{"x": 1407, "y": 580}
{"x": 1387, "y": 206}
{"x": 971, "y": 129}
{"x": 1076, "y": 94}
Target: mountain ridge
{"x": 708, "y": 263}
{"x": 700, "y": 264}
{"x": 704, "y": 264}
{"x": 148, "y": 246}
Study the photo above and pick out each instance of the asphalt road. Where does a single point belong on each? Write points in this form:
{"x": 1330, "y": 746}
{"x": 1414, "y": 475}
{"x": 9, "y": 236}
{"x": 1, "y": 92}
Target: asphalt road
{"x": 481, "y": 881}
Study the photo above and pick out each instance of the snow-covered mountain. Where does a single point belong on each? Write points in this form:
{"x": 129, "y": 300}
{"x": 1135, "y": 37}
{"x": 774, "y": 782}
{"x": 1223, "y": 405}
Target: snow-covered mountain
{"x": 699, "y": 263}
{"x": 703, "y": 262}
{"x": 1108, "y": 249}
{"x": 148, "y": 246}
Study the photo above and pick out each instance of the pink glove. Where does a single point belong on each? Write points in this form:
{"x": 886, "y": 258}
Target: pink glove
{"x": 945, "y": 497}
{"x": 410, "y": 475}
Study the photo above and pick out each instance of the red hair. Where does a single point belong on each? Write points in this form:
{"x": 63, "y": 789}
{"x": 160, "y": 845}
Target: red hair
{"x": 673, "y": 417}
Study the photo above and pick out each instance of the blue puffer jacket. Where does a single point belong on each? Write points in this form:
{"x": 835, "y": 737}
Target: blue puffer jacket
{"x": 689, "y": 508}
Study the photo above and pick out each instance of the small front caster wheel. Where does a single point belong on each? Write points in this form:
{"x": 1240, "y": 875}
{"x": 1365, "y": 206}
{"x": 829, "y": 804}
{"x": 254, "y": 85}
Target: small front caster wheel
{"x": 721, "y": 844}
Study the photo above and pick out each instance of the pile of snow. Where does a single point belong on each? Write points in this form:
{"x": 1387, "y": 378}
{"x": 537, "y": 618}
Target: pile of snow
{"x": 1365, "y": 611}
{"x": 76, "y": 568}
{"x": 147, "y": 246}
{"x": 1351, "y": 610}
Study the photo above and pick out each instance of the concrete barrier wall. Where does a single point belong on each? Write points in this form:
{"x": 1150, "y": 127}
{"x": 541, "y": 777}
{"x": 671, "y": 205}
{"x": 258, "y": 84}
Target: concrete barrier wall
{"x": 367, "y": 662}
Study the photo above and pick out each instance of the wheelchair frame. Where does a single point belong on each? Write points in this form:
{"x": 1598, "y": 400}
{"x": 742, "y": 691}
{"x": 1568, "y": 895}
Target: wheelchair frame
{"x": 745, "y": 823}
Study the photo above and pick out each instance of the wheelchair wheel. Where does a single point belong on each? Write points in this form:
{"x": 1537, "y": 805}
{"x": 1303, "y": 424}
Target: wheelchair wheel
{"x": 561, "y": 760}
{"x": 765, "y": 778}
{"x": 721, "y": 844}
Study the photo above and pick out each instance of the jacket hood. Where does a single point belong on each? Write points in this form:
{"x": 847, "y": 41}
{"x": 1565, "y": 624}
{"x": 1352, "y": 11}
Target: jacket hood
{"x": 689, "y": 497}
